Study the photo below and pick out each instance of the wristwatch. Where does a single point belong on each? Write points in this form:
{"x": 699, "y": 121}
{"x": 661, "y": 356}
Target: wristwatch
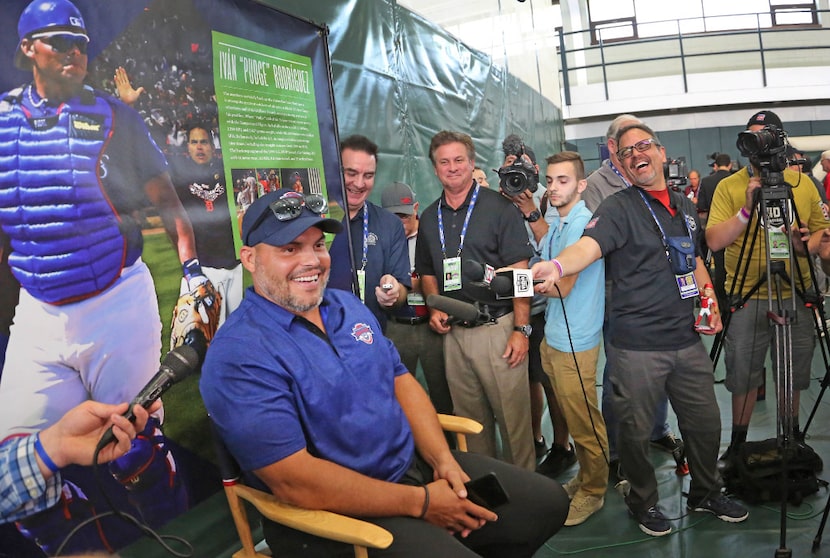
{"x": 533, "y": 216}
{"x": 525, "y": 330}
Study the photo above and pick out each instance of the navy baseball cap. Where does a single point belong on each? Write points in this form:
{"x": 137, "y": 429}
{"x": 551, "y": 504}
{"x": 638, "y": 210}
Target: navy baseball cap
{"x": 765, "y": 118}
{"x": 279, "y": 217}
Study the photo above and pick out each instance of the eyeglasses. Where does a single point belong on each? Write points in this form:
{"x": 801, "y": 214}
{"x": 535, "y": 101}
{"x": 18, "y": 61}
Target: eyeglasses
{"x": 290, "y": 207}
{"x": 65, "y": 43}
{"x": 640, "y": 146}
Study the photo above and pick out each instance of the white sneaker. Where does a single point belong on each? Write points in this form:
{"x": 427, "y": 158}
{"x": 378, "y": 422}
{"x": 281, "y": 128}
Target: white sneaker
{"x": 582, "y": 507}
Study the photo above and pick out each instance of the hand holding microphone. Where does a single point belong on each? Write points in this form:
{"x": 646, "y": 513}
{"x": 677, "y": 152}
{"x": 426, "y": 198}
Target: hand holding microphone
{"x": 74, "y": 437}
{"x": 546, "y": 275}
{"x": 178, "y": 364}
{"x": 506, "y": 282}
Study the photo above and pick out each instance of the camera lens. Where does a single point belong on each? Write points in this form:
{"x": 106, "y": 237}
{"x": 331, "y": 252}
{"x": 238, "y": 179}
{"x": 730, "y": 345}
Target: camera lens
{"x": 761, "y": 142}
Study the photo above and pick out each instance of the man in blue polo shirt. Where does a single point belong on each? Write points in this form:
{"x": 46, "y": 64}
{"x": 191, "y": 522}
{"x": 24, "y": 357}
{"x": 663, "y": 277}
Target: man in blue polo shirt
{"x": 329, "y": 418}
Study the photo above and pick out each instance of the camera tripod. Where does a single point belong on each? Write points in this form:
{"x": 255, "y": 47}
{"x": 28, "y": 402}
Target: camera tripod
{"x": 774, "y": 205}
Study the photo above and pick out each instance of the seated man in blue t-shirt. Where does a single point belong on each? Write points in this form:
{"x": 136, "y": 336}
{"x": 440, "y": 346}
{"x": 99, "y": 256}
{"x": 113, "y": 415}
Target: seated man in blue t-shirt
{"x": 327, "y": 417}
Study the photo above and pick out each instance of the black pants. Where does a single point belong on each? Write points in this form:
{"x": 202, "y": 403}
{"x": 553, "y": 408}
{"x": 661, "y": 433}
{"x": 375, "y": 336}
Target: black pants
{"x": 537, "y": 509}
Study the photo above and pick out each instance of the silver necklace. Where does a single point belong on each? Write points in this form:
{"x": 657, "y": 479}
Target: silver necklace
{"x": 32, "y": 100}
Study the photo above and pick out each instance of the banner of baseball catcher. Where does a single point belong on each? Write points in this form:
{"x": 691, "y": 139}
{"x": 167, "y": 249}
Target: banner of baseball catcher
{"x": 132, "y": 140}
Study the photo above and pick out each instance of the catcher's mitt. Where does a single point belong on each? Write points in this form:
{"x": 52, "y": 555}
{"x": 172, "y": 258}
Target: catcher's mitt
{"x": 198, "y": 309}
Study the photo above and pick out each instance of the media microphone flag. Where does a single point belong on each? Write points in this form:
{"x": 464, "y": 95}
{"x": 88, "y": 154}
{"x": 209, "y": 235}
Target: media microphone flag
{"x": 505, "y": 283}
{"x": 177, "y": 364}
{"x": 478, "y": 273}
{"x": 513, "y": 283}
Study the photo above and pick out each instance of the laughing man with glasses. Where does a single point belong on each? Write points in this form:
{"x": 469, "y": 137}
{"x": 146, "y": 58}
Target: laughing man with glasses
{"x": 648, "y": 237}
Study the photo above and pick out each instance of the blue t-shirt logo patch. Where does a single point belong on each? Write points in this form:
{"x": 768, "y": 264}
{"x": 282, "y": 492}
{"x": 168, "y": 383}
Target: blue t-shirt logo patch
{"x": 363, "y": 332}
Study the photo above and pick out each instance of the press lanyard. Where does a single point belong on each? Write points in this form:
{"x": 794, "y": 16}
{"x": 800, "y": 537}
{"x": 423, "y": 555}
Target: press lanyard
{"x": 463, "y": 228}
{"x": 616, "y": 170}
{"x": 365, "y": 237}
{"x": 659, "y": 226}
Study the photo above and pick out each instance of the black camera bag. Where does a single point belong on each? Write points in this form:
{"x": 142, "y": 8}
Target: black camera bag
{"x": 756, "y": 470}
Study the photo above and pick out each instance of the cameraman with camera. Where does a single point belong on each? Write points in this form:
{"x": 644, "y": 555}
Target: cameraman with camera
{"x": 519, "y": 182}
{"x": 735, "y": 203}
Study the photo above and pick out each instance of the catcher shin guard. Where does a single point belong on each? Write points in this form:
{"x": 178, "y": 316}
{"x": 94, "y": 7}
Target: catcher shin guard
{"x": 148, "y": 471}
{"x": 49, "y": 528}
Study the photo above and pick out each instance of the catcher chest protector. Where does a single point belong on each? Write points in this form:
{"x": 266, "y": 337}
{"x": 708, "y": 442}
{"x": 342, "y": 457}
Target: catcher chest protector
{"x": 756, "y": 471}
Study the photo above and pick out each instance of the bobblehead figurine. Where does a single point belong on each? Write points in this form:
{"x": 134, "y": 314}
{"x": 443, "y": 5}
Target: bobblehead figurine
{"x": 707, "y": 306}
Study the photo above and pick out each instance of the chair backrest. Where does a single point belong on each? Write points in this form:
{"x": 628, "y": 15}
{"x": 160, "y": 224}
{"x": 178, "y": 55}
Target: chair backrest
{"x": 360, "y": 534}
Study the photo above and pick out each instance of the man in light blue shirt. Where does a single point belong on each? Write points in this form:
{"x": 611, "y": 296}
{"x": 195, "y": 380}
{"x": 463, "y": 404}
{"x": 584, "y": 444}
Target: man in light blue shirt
{"x": 573, "y": 327}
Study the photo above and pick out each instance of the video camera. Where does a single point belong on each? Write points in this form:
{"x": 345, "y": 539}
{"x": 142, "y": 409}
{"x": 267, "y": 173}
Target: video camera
{"x": 675, "y": 172}
{"x": 521, "y": 175}
{"x": 767, "y": 147}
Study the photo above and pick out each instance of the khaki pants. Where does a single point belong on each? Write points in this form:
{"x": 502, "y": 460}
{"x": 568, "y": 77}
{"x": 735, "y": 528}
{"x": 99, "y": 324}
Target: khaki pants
{"x": 486, "y": 389}
{"x": 576, "y": 393}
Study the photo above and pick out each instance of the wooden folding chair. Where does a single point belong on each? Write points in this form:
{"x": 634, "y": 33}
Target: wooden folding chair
{"x": 360, "y": 534}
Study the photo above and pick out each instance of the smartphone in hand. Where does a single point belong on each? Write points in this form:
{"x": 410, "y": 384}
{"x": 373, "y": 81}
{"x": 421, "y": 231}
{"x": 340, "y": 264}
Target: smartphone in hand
{"x": 487, "y": 491}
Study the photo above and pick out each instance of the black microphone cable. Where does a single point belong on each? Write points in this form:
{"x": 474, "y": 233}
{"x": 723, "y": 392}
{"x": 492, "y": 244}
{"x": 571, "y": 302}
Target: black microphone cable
{"x": 177, "y": 364}
{"x": 579, "y": 375}
{"x": 145, "y": 529}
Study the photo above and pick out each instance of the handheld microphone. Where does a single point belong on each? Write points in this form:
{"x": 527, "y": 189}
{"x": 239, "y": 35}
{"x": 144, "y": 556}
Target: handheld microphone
{"x": 509, "y": 283}
{"x": 513, "y": 283}
{"x": 462, "y": 311}
{"x": 177, "y": 364}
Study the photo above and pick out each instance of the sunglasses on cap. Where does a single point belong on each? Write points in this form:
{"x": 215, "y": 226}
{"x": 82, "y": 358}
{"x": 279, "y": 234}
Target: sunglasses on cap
{"x": 64, "y": 43}
{"x": 291, "y": 206}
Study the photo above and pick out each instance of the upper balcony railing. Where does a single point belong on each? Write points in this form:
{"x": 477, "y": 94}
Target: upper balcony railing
{"x": 604, "y": 55}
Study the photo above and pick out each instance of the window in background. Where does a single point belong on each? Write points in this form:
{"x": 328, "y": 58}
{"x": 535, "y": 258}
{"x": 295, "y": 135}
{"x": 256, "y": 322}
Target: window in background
{"x": 616, "y": 20}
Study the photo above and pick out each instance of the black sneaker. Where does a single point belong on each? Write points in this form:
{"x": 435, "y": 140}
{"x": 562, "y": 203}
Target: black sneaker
{"x": 721, "y": 507}
{"x": 557, "y": 461}
{"x": 541, "y": 447}
{"x": 669, "y": 443}
{"x": 652, "y": 522}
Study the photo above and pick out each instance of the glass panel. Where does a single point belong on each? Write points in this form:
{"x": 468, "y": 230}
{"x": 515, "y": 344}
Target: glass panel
{"x": 719, "y": 7}
{"x": 611, "y": 31}
{"x": 660, "y": 10}
{"x": 793, "y": 17}
{"x": 603, "y": 10}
